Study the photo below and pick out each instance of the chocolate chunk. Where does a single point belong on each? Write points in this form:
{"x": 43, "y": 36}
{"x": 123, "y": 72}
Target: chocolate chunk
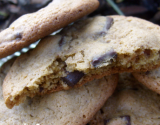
{"x": 101, "y": 111}
{"x": 61, "y": 41}
{"x": 106, "y": 121}
{"x": 147, "y": 52}
{"x": 135, "y": 89}
{"x": 108, "y": 57}
{"x": 73, "y": 78}
{"x": 18, "y": 36}
{"x": 126, "y": 117}
{"x": 109, "y": 23}
{"x": 147, "y": 73}
{"x": 40, "y": 89}
{"x": 102, "y": 33}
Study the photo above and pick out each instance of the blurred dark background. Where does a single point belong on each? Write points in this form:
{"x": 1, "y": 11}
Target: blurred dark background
{"x": 10, "y": 10}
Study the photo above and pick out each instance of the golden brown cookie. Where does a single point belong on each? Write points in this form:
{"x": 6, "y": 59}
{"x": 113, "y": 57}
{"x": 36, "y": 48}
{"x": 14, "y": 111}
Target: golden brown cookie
{"x": 89, "y": 49}
{"x": 31, "y": 27}
{"x": 73, "y": 107}
{"x": 131, "y": 104}
{"x": 151, "y": 79}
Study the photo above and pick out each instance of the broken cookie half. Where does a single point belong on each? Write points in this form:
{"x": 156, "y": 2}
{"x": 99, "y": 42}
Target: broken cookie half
{"x": 74, "y": 107}
{"x": 87, "y": 50}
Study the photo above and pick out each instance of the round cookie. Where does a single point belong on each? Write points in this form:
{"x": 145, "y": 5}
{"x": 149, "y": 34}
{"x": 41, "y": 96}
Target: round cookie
{"x": 131, "y": 104}
{"x": 87, "y": 50}
{"x": 31, "y": 27}
{"x": 151, "y": 79}
{"x": 74, "y": 107}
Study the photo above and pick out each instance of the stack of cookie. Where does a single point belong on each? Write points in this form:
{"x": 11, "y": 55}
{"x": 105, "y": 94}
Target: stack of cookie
{"x": 69, "y": 76}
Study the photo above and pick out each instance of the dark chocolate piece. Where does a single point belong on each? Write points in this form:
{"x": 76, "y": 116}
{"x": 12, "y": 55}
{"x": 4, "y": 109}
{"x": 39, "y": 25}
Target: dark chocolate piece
{"x": 101, "y": 111}
{"x": 40, "y": 89}
{"x": 108, "y": 57}
{"x": 73, "y": 78}
{"x": 18, "y": 36}
{"x": 102, "y": 33}
{"x": 106, "y": 121}
{"x": 61, "y": 41}
{"x": 109, "y": 23}
{"x": 135, "y": 89}
{"x": 147, "y": 52}
{"x": 147, "y": 73}
{"x": 127, "y": 118}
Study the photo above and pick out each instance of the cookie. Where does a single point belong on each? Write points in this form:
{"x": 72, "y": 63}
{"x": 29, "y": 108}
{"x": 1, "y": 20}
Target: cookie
{"x": 31, "y": 27}
{"x": 89, "y": 49}
{"x": 131, "y": 104}
{"x": 73, "y": 107}
{"x": 151, "y": 79}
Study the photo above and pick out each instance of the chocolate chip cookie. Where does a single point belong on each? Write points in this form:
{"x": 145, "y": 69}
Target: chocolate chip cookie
{"x": 73, "y": 107}
{"x": 87, "y": 50}
{"x": 131, "y": 104}
{"x": 31, "y": 27}
{"x": 151, "y": 79}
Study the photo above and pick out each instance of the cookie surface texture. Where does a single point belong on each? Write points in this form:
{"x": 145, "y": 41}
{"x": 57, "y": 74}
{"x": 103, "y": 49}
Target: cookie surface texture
{"x": 31, "y": 27}
{"x": 73, "y": 107}
{"x": 87, "y": 50}
{"x": 151, "y": 79}
{"x": 131, "y": 104}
